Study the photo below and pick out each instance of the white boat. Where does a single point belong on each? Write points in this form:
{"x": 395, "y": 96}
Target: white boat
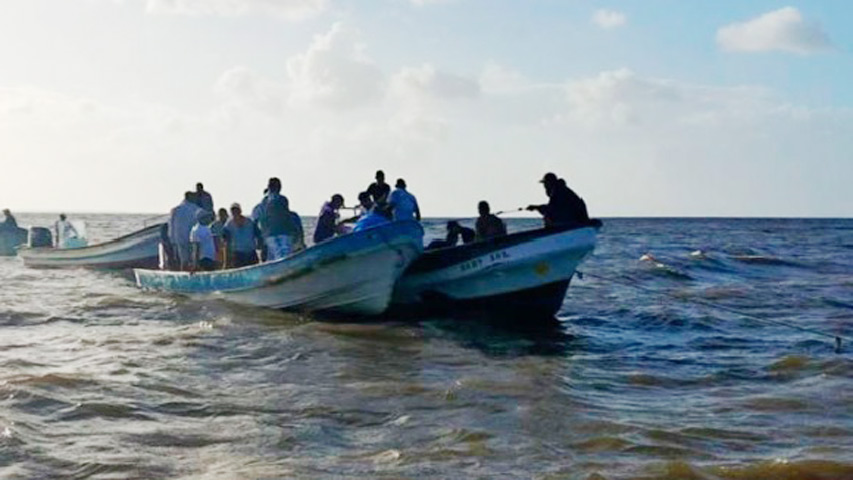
{"x": 138, "y": 249}
{"x": 525, "y": 274}
{"x": 352, "y": 274}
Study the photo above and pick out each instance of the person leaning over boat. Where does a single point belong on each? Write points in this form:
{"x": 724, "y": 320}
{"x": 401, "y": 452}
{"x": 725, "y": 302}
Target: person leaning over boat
{"x": 203, "y": 197}
{"x": 455, "y": 232}
{"x": 9, "y": 221}
{"x": 203, "y": 246}
{"x": 276, "y": 222}
{"x": 242, "y": 239}
{"x": 379, "y": 190}
{"x": 564, "y": 206}
{"x": 327, "y": 222}
{"x": 65, "y": 231}
{"x": 488, "y": 225}
{"x": 181, "y": 221}
{"x": 379, "y": 215}
{"x": 404, "y": 205}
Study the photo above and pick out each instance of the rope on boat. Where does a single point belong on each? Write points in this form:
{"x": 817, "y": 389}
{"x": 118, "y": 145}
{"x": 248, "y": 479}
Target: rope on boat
{"x": 838, "y": 338}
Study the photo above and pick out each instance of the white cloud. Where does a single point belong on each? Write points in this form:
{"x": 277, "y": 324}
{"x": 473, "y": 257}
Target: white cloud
{"x": 286, "y": 9}
{"x": 782, "y": 30}
{"x": 427, "y": 82}
{"x": 609, "y": 18}
{"x": 335, "y": 71}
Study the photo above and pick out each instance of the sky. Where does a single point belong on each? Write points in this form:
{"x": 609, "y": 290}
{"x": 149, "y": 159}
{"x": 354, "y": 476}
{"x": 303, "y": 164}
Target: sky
{"x": 646, "y": 107}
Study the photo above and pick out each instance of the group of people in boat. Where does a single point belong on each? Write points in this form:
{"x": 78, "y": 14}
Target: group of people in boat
{"x": 65, "y": 233}
{"x": 198, "y": 238}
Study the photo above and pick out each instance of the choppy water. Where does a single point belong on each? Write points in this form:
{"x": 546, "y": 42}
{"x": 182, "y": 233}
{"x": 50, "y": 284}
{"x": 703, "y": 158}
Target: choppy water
{"x": 99, "y": 380}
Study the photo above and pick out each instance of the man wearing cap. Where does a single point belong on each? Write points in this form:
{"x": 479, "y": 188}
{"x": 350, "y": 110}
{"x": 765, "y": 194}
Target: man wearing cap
{"x": 564, "y": 206}
{"x": 181, "y": 221}
{"x": 203, "y": 245}
{"x": 327, "y": 222}
{"x": 242, "y": 238}
{"x": 404, "y": 205}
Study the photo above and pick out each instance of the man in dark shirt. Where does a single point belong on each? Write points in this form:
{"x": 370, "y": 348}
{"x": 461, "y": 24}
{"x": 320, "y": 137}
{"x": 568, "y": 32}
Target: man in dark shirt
{"x": 203, "y": 198}
{"x": 488, "y": 225}
{"x": 327, "y": 223}
{"x": 564, "y": 206}
{"x": 455, "y": 231}
{"x": 379, "y": 190}
{"x": 9, "y": 222}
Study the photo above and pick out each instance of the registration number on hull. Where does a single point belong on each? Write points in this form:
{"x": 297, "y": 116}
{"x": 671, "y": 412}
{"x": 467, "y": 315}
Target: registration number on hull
{"x": 482, "y": 262}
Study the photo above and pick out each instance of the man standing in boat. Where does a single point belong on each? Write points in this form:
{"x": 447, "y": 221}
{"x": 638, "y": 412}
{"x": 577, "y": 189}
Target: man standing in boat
{"x": 404, "y": 205}
{"x": 203, "y": 198}
{"x": 203, "y": 245}
{"x": 276, "y": 222}
{"x": 564, "y": 206}
{"x": 242, "y": 238}
{"x": 181, "y": 221}
{"x": 379, "y": 190}
{"x": 9, "y": 221}
{"x": 65, "y": 231}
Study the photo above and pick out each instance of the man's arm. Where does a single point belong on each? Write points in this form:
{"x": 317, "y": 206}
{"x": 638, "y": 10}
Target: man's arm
{"x": 417, "y": 210}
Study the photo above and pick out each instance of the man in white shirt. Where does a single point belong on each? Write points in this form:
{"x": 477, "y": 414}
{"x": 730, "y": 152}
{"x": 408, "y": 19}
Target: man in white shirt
{"x": 203, "y": 245}
{"x": 65, "y": 231}
{"x": 404, "y": 205}
{"x": 181, "y": 221}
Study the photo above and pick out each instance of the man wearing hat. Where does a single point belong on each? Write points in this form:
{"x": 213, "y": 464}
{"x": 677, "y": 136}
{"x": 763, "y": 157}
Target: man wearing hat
{"x": 564, "y": 206}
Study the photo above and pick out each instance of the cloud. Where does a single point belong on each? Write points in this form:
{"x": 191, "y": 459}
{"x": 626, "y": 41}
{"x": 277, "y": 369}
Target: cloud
{"x": 286, "y": 9}
{"x": 335, "y": 72}
{"x": 427, "y": 82}
{"x": 609, "y": 18}
{"x": 782, "y": 30}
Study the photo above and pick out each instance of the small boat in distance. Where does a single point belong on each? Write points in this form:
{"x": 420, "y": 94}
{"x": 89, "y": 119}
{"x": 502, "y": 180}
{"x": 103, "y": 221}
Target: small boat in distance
{"x": 351, "y": 274}
{"x": 11, "y": 239}
{"x": 136, "y": 250}
{"x": 524, "y": 275}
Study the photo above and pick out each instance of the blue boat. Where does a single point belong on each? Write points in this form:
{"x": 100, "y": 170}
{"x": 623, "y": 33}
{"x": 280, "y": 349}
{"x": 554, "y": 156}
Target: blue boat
{"x": 352, "y": 274}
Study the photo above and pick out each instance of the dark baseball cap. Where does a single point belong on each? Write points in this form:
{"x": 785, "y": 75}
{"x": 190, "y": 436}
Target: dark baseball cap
{"x": 548, "y": 178}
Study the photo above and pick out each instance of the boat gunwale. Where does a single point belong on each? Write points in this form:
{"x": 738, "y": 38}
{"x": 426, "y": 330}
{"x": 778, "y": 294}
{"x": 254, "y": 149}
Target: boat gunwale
{"x": 438, "y": 258}
{"x": 41, "y": 253}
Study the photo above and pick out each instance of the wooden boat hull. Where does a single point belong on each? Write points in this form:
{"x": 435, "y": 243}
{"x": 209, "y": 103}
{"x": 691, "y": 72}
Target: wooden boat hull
{"x": 523, "y": 274}
{"x": 10, "y": 240}
{"x": 139, "y": 249}
{"x": 352, "y": 274}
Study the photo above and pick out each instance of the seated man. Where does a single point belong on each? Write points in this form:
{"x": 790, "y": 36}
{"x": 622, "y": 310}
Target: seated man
{"x": 203, "y": 246}
{"x": 455, "y": 231}
{"x": 327, "y": 222}
{"x": 241, "y": 237}
{"x": 488, "y": 225}
{"x": 564, "y": 206}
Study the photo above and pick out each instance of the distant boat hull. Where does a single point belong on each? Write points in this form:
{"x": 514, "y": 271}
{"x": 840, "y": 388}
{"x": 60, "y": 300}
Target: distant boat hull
{"x": 139, "y": 249}
{"x": 352, "y": 275}
{"x": 525, "y": 274}
{"x": 10, "y": 240}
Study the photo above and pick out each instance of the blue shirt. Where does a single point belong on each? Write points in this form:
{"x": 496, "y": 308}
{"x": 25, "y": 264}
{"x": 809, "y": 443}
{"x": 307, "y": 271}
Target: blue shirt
{"x": 403, "y": 204}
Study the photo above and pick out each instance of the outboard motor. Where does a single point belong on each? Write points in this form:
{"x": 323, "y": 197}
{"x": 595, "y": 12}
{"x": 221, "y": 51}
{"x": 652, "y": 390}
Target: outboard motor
{"x": 40, "y": 237}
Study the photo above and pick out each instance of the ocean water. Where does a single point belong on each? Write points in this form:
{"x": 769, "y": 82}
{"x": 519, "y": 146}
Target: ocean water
{"x": 639, "y": 378}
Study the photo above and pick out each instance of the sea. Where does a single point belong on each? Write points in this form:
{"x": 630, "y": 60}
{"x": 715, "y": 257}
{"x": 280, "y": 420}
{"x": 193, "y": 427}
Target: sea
{"x": 690, "y": 349}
